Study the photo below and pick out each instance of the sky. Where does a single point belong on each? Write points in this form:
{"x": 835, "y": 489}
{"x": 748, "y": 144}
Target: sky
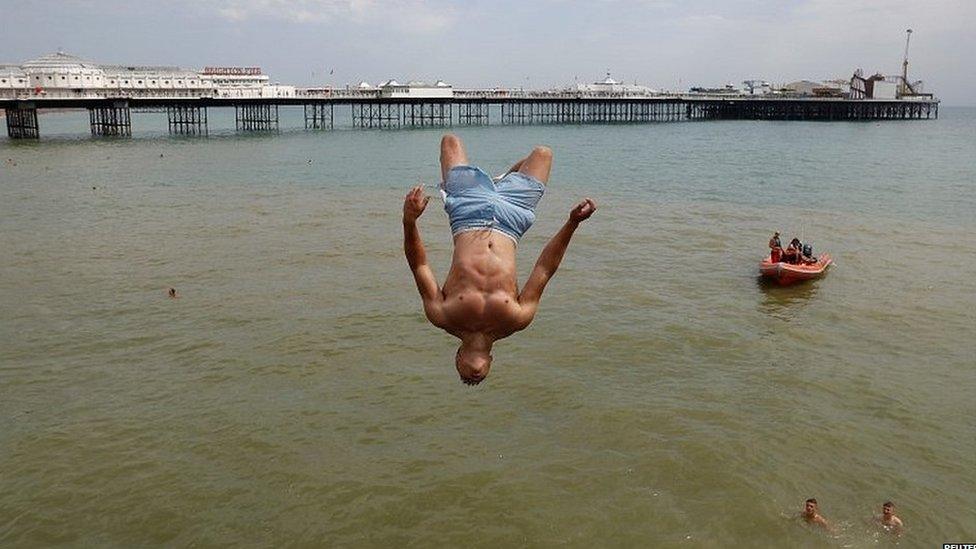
{"x": 665, "y": 44}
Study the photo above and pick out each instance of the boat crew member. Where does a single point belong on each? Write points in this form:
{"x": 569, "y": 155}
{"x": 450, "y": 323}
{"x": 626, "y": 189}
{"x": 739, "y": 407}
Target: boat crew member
{"x": 793, "y": 252}
{"x": 480, "y": 302}
{"x": 775, "y": 248}
{"x": 806, "y": 254}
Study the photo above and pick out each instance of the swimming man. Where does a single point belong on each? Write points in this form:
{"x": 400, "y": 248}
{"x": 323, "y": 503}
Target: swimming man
{"x": 811, "y": 515}
{"x": 889, "y": 521}
{"x": 480, "y": 302}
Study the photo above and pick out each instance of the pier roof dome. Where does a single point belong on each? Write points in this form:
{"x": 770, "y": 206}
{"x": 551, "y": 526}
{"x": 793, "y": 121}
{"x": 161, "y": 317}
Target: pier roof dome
{"x": 59, "y": 60}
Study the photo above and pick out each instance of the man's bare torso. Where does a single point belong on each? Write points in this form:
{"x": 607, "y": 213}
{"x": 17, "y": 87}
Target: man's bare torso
{"x": 481, "y": 289}
{"x": 480, "y": 301}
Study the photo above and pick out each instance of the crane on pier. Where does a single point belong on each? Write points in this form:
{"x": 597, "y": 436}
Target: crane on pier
{"x": 906, "y": 86}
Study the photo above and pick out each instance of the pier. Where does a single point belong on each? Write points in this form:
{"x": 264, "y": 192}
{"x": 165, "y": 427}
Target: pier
{"x": 188, "y": 116}
{"x": 111, "y": 93}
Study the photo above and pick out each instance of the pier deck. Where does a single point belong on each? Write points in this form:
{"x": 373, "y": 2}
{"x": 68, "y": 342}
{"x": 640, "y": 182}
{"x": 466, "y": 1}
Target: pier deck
{"x": 110, "y": 115}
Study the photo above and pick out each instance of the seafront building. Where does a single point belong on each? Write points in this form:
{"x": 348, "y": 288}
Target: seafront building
{"x": 415, "y": 88}
{"x": 62, "y": 75}
{"x": 610, "y": 87}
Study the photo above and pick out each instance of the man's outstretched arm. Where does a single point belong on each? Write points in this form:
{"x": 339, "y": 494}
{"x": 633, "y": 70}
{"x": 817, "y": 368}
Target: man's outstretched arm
{"x": 550, "y": 258}
{"x": 413, "y": 248}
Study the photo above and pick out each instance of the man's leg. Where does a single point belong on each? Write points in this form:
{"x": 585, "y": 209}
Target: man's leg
{"x": 537, "y": 164}
{"x": 452, "y": 154}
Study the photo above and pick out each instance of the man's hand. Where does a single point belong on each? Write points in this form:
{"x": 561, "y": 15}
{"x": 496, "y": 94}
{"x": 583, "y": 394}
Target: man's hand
{"x": 414, "y": 204}
{"x": 582, "y": 211}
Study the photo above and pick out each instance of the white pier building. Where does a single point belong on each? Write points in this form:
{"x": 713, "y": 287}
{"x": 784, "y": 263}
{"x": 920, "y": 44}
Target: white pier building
{"x": 415, "y": 89}
{"x": 61, "y": 75}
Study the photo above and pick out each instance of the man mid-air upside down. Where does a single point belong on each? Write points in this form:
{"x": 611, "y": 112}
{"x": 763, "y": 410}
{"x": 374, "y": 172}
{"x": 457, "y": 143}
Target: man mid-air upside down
{"x": 480, "y": 302}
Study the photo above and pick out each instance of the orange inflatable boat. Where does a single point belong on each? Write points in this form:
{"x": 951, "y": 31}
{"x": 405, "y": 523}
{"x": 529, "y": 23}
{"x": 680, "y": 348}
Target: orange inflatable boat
{"x": 787, "y": 273}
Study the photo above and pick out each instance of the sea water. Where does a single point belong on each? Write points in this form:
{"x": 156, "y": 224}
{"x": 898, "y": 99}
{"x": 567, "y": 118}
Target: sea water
{"x": 294, "y": 394}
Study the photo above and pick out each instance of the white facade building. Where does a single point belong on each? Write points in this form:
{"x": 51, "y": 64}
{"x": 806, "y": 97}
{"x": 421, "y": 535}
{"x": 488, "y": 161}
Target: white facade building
{"x": 61, "y": 75}
{"x": 611, "y": 88}
{"x": 826, "y": 88}
{"x": 416, "y": 89}
{"x": 885, "y": 89}
{"x": 802, "y": 87}
{"x": 12, "y": 79}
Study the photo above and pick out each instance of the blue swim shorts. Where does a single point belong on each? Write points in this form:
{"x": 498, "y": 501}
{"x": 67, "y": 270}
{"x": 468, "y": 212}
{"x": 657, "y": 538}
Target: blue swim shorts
{"x": 474, "y": 202}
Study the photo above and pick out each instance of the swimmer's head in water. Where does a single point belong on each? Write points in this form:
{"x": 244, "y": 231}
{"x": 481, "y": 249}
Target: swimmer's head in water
{"x": 472, "y": 364}
{"x": 887, "y": 508}
{"x": 810, "y": 506}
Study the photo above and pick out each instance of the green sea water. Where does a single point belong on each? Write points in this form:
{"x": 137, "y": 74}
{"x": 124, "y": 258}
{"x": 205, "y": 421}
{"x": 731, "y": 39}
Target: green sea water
{"x": 294, "y": 395}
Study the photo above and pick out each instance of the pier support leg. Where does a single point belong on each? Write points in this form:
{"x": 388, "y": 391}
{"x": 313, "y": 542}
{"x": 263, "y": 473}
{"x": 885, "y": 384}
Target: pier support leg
{"x": 256, "y": 117}
{"x": 111, "y": 120}
{"x": 22, "y": 122}
{"x": 187, "y": 119}
{"x": 473, "y": 114}
{"x": 318, "y": 116}
{"x": 376, "y": 115}
{"x": 421, "y": 115}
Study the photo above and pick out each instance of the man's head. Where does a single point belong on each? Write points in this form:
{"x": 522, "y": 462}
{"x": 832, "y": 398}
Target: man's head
{"x": 473, "y": 363}
{"x": 810, "y": 507}
{"x": 887, "y": 508}
{"x": 776, "y": 234}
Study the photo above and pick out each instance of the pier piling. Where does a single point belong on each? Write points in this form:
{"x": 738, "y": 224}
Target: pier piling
{"x": 112, "y": 120}
{"x": 318, "y": 116}
{"x": 187, "y": 120}
{"x": 22, "y": 122}
{"x": 376, "y": 115}
{"x": 473, "y": 114}
{"x": 422, "y": 115}
{"x": 256, "y": 117}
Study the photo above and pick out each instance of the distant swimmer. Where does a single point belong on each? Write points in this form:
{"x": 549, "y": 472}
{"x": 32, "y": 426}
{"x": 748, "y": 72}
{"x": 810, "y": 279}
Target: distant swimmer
{"x": 172, "y": 293}
{"x": 480, "y": 302}
{"x": 888, "y": 520}
{"x": 811, "y": 515}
